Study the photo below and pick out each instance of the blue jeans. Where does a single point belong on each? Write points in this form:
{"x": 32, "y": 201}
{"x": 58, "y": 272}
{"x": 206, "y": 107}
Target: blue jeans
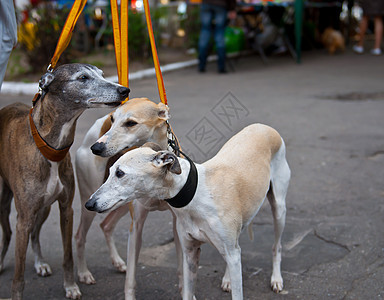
{"x": 218, "y": 14}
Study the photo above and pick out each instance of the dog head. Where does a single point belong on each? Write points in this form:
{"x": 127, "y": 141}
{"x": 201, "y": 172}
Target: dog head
{"x": 142, "y": 174}
{"x": 132, "y": 124}
{"x": 81, "y": 86}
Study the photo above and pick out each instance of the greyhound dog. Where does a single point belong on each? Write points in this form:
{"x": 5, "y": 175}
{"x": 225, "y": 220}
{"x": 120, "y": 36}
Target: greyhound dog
{"x": 35, "y": 181}
{"x": 213, "y": 201}
{"x": 138, "y": 121}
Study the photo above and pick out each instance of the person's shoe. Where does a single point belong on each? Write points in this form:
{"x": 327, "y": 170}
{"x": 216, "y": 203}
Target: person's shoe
{"x": 358, "y": 49}
{"x": 376, "y": 51}
{"x": 223, "y": 71}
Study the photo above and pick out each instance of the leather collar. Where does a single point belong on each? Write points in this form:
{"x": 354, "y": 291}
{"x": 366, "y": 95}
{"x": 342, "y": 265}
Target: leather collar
{"x": 46, "y": 150}
{"x": 186, "y": 194}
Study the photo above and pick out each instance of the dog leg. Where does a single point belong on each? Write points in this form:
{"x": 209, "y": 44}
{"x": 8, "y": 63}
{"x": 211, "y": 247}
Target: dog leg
{"x": 23, "y": 230}
{"x": 233, "y": 259}
{"x": 85, "y": 276}
{"x": 134, "y": 245}
{"x": 276, "y": 196}
{"x": 191, "y": 255}
{"x": 278, "y": 212}
{"x": 72, "y": 291}
{"x": 5, "y": 210}
{"x": 41, "y": 267}
{"x": 179, "y": 252}
{"x": 108, "y": 226}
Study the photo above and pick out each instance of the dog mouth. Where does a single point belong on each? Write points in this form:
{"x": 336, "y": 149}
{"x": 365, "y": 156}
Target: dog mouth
{"x": 114, "y": 206}
{"x": 108, "y": 104}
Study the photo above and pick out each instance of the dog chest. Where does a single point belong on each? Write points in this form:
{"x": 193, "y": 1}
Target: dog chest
{"x": 54, "y": 185}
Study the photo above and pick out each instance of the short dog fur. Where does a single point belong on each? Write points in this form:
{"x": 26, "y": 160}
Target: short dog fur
{"x": 232, "y": 186}
{"x": 35, "y": 182}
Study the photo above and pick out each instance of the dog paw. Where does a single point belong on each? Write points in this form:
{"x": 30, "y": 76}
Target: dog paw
{"x": 120, "y": 265}
{"x": 73, "y": 292}
{"x": 43, "y": 269}
{"x": 86, "y": 277}
{"x": 226, "y": 286}
{"x": 277, "y": 284}
{"x": 226, "y": 282}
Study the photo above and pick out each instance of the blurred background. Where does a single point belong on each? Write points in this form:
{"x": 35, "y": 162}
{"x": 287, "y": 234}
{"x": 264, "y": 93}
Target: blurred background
{"x": 265, "y": 27}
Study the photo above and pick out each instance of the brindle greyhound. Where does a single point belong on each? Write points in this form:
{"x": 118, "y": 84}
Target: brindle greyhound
{"x": 36, "y": 182}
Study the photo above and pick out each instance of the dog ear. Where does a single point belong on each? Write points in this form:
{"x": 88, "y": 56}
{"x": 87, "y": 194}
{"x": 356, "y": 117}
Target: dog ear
{"x": 46, "y": 80}
{"x": 167, "y": 159}
{"x": 163, "y": 111}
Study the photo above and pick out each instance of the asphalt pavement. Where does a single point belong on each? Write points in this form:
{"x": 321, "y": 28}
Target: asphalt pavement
{"x": 329, "y": 110}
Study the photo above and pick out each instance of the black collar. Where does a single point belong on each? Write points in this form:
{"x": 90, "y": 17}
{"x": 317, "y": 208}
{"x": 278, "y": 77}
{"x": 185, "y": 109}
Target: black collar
{"x": 186, "y": 194}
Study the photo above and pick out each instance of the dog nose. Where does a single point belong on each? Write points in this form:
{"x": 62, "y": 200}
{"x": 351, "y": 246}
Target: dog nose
{"x": 98, "y": 148}
{"x": 123, "y": 91}
{"x": 90, "y": 205}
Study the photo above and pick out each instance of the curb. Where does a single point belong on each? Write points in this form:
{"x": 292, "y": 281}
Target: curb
{"x": 19, "y": 88}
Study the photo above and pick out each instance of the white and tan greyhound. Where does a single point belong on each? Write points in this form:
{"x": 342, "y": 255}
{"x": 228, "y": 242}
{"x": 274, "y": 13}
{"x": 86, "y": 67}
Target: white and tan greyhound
{"x": 136, "y": 122}
{"x": 223, "y": 196}
{"x": 34, "y": 181}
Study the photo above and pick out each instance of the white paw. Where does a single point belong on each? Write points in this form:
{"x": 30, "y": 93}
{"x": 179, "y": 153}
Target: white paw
{"x": 73, "y": 292}
{"x": 120, "y": 265}
{"x": 86, "y": 277}
{"x": 43, "y": 269}
{"x": 226, "y": 285}
{"x": 277, "y": 284}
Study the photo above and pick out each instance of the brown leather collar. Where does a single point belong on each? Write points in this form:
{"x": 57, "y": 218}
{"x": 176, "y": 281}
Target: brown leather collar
{"x": 48, "y": 152}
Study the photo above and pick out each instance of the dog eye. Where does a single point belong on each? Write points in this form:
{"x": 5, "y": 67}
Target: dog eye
{"x": 83, "y": 77}
{"x": 112, "y": 119}
{"x": 119, "y": 173}
{"x": 130, "y": 123}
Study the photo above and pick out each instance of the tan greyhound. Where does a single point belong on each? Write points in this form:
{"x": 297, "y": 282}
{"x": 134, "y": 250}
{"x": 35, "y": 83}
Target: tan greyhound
{"x": 136, "y": 122}
{"x": 34, "y": 181}
{"x": 213, "y": 201}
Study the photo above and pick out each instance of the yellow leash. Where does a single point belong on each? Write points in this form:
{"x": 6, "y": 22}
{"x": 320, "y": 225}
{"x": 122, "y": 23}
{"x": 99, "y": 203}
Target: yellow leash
{"x": 120, "y": 35}
{"x": 66, "y": 33}
{"x": 159, "y": 76}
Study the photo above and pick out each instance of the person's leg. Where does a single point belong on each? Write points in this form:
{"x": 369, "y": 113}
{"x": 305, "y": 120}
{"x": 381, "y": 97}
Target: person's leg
{"x": 359, "y": 47}
{"x": 220, "y": 24}
{"x": 378, "y": 31}
{"x": 206, "y": 16}
{"x": 363, "y": 29}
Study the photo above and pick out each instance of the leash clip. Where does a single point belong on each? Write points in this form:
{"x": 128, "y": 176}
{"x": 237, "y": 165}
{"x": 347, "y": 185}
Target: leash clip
{"x": 49, "y": 68}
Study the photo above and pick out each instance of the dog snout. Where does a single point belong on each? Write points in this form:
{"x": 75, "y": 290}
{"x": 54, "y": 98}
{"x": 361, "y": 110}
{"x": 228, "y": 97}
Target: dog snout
{"x": 98, "y": 148}
{"x": 91, "y": 204}
{"x": 123, "y": 91}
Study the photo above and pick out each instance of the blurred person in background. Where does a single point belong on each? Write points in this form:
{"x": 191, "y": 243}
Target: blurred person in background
{"x": 371, "y": 9}
{"x": 8, "y": 34}
{"x": 216, "y": 12}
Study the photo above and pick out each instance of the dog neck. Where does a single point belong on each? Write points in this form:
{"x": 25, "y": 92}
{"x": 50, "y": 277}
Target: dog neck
{"x": 160, "y": 136}
{"x": 55, "y": 124}
{"x": 187, "y": 188}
